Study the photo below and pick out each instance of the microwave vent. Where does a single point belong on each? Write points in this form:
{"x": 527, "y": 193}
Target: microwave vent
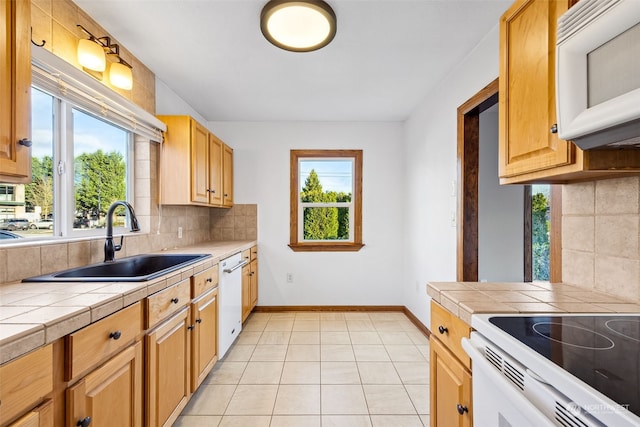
{"x": 580, "y": 15}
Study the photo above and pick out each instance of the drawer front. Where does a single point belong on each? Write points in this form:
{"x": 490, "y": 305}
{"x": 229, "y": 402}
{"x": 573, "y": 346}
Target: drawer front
{"x": 166, "y": 302}
{"x": 450, "y": 330}
{"x": 97, "y": 342}
{"x": 203, "y": 281}
{"x": 24, "y": 382}
{"x": 246, "y": 254}
{"x": 254, "y": 253}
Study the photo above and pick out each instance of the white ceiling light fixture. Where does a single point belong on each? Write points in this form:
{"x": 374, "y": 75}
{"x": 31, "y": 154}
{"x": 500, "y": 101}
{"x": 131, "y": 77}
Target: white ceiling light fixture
{"x": 298, "y": 26}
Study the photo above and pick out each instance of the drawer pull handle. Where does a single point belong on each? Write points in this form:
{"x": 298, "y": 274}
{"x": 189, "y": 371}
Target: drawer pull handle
{"x": 461, "y": 409}
{"x": 191, "y": 327}
{"x": 209, "y": 279}
{"x": 115, "y": 335}
{"x": 554, "y": 128}
{"x": 84, "y": 422}
{"x": 443, "y": 330}
{"x": 175, "y": 300}
{"x": 198, "y": 320}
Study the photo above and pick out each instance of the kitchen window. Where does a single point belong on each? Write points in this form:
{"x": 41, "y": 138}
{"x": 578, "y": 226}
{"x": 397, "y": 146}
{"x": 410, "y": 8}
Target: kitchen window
{"x": 80, "y": 165}
{"x": 326, "y": 200}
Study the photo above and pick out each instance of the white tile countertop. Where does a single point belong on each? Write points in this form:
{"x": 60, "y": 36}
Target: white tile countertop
{"x": 35, "y": 314}
{"x": 466, "y": 298}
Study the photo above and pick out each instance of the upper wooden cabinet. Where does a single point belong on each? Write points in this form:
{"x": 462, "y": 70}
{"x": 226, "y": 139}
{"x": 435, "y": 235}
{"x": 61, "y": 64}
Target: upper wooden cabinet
{"x": 530, "y": 151}
{"x": 15, "y": 87}
{"x": 196, "y": 166}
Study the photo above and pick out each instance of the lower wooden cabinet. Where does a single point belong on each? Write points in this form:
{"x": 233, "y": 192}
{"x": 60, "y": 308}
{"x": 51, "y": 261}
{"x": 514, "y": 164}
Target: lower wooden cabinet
{"x": 42, "y": 416}
{"x": 24, "y": 384}
{"x": 111, "y": 395}
{"x": 450, "y": 388}
{"x": 204, "y": 343}
{"x": 168, "y": 361}
{"x": 249, "y": 282}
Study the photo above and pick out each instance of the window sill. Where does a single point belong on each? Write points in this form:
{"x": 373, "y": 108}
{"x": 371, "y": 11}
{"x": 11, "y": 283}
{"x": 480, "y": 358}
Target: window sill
{"x": 326, "y": 247}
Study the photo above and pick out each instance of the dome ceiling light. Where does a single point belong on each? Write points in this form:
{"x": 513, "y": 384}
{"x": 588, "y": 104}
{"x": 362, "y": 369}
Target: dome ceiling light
{"x": 298, "y": 26}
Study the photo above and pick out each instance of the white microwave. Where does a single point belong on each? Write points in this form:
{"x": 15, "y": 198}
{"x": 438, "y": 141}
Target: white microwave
{"x": 598, "y": 74}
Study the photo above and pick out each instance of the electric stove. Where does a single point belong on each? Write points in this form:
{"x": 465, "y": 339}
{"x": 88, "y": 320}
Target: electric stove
{"x": 593, "y": 360}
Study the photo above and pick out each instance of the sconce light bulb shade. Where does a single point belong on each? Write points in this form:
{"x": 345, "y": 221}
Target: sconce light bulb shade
{"x": 121, "y": 76}
{"x": 298, "y": 26}
{"x": 91, "y": 55}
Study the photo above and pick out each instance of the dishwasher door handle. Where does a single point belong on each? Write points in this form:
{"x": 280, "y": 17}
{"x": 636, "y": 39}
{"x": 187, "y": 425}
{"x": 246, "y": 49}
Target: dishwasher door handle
{"x": 237, "y": 266}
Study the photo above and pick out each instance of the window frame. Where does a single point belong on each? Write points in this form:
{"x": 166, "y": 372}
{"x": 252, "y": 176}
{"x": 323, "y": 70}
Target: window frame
{"x": 295, "y": 222}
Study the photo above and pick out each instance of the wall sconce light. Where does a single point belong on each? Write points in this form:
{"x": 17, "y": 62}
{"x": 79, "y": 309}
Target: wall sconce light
{"x": 298, "y": 25}
{"x": 92, "y": 53}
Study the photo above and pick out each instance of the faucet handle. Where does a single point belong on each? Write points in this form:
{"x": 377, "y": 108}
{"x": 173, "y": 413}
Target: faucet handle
{"x": 118, "y": 246}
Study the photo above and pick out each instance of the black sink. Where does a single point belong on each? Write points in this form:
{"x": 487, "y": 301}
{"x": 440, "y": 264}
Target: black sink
{"x": 132, "y": 269}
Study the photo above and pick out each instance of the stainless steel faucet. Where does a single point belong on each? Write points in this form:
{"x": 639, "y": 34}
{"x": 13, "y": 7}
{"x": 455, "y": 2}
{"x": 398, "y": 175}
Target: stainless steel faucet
{"x": 109, "y": 248}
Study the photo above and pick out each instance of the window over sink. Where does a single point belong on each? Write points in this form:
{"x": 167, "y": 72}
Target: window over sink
{"x": 80, "y": 165}
{"x": 326, "y": 200}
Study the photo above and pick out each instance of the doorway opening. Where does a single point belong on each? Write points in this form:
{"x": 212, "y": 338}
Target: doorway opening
{"x": 537, "y": 237}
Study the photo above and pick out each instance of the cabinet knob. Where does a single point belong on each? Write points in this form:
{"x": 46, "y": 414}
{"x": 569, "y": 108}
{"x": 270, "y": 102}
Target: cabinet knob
{"x": 198, "y": 320}
{"x": 26, "y": 142}
{"x": 443, "y": 330}
{"x": 554, "y": 128}
{"x": 209, "y": 279}
{"x": 175, "y": 300}
{"x": 115, "y": 335}
{"x": 191, "y": 327}
{"x": 461, "y": 409}
{"x": 84, "y": 422}
{"x": 226, "y": 195}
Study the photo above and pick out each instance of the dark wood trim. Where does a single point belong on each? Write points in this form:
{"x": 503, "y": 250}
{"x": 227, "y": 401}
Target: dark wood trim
{"x": 528, "y": 235}
{"x": 467, "y": 191}
{"x": 555, "y": 233}
{"x": 337, "y": 308}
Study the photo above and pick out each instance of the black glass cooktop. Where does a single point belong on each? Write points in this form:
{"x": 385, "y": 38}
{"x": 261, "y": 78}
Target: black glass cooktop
{"x": 602, "y": 351}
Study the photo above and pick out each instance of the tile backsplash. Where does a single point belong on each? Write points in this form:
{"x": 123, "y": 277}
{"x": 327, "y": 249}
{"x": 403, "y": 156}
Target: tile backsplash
{"x": 601, "y": 236}
{"x": 199, "y": 224}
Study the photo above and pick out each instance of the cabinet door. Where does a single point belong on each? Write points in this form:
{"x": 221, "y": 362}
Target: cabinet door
{"x": 227, "y": 181}
{"x": 199, "y": 163}
{"x": 111, "y": 395}
{"x": 205, "y": 337}
{"x": 15, "y": 87}
{"x": 246, "y": 297}
{"x": 527, "y": 89}
{"x": 215, "y": 170}
{"x": 168, "y": 351}
{"x": 253, "y": 287}
{"x": 42, "y": 416}
{"x": 450, "y": 389}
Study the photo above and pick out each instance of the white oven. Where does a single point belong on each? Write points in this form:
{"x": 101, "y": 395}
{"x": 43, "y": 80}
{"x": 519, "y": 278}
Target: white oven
{"x": 598, "y": 74}
{"x": 506, "y": 394}
{"x": 564, "y": 370}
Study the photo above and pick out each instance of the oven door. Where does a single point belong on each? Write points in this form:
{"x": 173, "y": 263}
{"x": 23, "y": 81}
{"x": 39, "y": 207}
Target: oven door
{"x": 496, "y": 401}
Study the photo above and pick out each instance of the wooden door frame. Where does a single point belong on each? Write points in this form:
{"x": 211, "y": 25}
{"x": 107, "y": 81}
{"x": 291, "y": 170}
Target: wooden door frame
{"x": 468, "y": 168}
{"x": 467, "y": 195}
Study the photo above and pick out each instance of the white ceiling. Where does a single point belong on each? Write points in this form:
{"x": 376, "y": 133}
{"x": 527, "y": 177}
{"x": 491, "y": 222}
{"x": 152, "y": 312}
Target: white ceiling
{"x": 385, "y": 57}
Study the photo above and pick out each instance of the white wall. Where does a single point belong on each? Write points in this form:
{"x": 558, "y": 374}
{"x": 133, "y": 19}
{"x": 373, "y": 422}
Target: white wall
{"x": 500, "y": 213}
{"x": 371, "y": 276}
{"x": 169, "y": 103}
{"x": 430, "y": 167}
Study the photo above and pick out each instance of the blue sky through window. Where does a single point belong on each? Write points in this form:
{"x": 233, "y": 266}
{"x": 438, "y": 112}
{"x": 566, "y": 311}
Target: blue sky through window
{"x": 334, "y": 174}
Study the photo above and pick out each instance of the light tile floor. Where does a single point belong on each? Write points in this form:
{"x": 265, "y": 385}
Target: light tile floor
{"x": 312, "y": 369}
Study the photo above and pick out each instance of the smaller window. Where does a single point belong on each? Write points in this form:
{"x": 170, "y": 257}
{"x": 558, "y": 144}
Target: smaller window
{"x": 326, "y": 200}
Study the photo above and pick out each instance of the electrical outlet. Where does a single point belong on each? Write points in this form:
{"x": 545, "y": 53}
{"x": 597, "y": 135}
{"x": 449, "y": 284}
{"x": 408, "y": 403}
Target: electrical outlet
{"x": 179, "y": 232}
{"x": 289, "y": 278}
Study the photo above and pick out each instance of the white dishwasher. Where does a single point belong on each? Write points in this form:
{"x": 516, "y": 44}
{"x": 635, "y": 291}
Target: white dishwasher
{"x": 230, "y": 295}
